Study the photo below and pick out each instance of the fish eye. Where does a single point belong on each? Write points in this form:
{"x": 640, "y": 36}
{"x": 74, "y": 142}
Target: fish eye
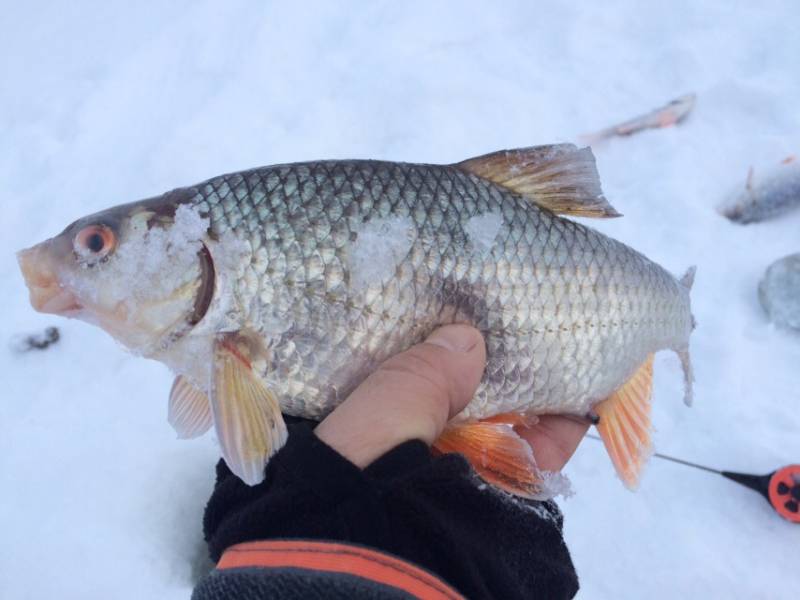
{"x": 94, "y": 241}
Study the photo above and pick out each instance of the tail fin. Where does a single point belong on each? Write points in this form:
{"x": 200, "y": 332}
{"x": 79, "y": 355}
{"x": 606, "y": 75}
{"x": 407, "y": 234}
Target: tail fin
{"x": 686, "y": 362}
{"x": 687, "y": 280}
{"x": 688, "y": 375}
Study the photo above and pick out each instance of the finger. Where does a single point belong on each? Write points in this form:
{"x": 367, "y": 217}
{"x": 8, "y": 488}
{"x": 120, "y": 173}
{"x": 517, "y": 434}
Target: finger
{"x": 554, "y": 439}
{"x": 410, "y": 396}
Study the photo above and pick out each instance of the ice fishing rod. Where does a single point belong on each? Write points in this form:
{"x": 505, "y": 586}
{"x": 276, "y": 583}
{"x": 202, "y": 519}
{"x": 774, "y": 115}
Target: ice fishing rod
{"x": 781, "y": 488}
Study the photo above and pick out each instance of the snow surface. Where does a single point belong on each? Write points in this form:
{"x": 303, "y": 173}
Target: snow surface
{"x": 107, "y": 102}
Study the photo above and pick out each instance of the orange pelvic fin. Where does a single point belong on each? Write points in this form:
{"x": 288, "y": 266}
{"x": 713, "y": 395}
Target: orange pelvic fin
{"x": 625, "y": 424}
{"x": 496, "y": 452}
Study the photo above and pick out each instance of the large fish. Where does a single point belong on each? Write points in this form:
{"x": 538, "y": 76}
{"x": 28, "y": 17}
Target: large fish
{"x": 279, "y": 289}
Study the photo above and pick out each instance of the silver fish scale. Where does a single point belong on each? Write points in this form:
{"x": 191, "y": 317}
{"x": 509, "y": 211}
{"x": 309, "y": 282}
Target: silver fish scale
{"x": 568, "y": 314}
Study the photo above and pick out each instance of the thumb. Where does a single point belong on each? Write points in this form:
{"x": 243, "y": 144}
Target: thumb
{"x": 411, "y": 396}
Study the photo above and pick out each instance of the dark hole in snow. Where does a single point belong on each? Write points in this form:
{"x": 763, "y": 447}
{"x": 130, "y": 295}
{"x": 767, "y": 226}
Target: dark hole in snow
{"x": 26, "y": 343}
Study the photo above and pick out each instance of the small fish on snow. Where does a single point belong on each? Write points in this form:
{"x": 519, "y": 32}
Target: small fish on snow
{"x": 767, "y": 196}
{"x": 671, "y": 114}
{"x": 279, "y": 289}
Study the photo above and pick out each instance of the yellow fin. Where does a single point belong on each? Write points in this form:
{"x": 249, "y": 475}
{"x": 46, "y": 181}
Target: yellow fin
{"x": 247, "y": 416}
{"x": 496, "y": 452}
{"x": 561, "y": 178}
{"x": 189, "y": 410}
{"x": 625, "y": 424}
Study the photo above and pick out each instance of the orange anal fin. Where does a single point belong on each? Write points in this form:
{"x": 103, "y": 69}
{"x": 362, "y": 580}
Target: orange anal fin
{"x": 625, "y": 424}
{"x": 497, "y": 453}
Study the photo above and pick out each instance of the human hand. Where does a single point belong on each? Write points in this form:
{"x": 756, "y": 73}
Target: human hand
{"x": 414, "y": 394}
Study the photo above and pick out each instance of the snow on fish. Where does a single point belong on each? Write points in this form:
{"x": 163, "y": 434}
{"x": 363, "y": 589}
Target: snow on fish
{"x": 279, "y": 289}
{"x": 767, "y": 196}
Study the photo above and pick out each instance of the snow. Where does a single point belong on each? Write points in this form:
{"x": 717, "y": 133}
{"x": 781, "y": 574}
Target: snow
{"x": 381, "y": 244}
{"x": 107, "y": 102}
{"x": 482, "y": 230}
{"x": 153, "y": 273}
{"x": 555, "y": 484}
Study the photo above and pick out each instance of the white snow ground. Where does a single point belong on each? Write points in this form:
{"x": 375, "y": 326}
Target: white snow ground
{"x": 107, "y": 102}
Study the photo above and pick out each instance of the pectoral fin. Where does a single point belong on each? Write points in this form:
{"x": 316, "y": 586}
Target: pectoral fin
{"x": 561, "y": 178}
{"x": 496, "y": 452}
{"x": 625, "y": 424}
{"x": 189, "y": 410}
{"x": 247, "y": 415}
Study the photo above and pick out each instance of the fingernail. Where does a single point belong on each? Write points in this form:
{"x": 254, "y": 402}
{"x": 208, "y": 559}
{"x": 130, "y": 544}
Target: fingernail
{"x": 456, "y": 338}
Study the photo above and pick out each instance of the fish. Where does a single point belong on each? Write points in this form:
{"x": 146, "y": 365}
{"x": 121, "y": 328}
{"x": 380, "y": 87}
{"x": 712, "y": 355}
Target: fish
{"x": 277, "y": 290}
{"x": 779, "y": 292}
{"x": 768, "y": 197}
{"x": 668, "y": 115}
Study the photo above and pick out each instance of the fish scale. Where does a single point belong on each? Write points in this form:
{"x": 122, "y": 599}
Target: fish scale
{"x": 549, "y": 297}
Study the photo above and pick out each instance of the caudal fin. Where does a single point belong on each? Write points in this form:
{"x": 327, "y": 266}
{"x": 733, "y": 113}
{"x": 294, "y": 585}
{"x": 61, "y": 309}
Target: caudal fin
{"x": 688, "y": 376}
{"x": 686, "y": 362}
{"x": 687, "y": 280}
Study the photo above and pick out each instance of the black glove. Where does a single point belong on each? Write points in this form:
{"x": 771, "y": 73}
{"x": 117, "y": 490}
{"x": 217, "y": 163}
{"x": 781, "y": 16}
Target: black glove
{"x": 433, "y": 512}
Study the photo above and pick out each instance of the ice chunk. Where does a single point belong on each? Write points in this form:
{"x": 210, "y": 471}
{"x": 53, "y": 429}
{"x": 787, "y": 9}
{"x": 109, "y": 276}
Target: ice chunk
{"x": 380, "y": 245}
{"x": 149, "y": 259}
{"x": 147, "y": 287}
{"x": 554, "y": 483}
{"x": 779, "y": 292}
{"x": 482, "y": 231}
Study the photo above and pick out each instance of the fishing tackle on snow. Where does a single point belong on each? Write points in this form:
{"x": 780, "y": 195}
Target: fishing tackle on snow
{"x": 781, "y": 488}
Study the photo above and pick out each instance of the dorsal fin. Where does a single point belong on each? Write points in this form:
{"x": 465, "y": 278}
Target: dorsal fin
{"x": 561, "y": 178}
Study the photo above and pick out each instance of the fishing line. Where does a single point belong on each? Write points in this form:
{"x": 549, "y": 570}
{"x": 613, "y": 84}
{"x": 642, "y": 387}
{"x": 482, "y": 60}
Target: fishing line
{"x": 671, "y": 458}
{"x": 781, "y": 488}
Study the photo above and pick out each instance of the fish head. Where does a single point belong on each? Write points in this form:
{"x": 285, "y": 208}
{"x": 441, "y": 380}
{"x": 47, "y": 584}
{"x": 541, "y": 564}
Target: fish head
{"x": 140, "y": 271}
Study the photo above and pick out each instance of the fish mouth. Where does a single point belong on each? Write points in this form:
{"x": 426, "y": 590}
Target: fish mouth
{"x": 47, "y": 295}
